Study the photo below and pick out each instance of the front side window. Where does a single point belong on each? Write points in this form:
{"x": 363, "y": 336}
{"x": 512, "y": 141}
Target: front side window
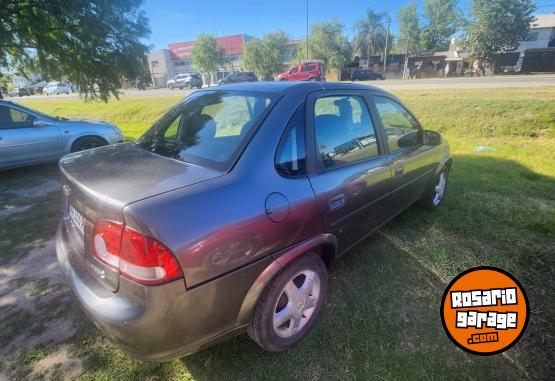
{"x": 401, "y": 130}
{"x": 207, "y": 128}
{"x": 12, "y": 118}
{"x": 344, "y": 130}
{"x": 291, "y": 154}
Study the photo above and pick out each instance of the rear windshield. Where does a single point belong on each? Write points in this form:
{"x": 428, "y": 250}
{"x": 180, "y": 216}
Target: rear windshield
{"x": 208, "y": 128}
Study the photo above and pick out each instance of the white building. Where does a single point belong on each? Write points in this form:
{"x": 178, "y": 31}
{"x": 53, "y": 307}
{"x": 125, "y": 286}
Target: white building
{"x": 541, "y": 35}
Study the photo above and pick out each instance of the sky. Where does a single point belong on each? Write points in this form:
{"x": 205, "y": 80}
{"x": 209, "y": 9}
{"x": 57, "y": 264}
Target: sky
{"x": 182, "y": 20}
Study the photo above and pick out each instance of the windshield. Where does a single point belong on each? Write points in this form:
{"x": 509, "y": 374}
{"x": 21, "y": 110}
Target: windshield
{"x": 208, "y": 128}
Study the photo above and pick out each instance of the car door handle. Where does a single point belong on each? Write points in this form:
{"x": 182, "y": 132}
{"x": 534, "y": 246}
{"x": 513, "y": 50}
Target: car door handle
{"x": 399, "y": 171}
{"x": 337, "y": 202}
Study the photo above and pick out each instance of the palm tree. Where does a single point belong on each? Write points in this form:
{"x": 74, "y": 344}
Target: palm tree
{"x": 370, "y": 33}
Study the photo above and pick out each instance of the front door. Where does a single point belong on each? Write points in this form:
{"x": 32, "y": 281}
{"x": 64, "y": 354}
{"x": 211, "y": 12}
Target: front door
{"x": 412, "y": 162}
{"x": 22, "y": 142}
{"x": 353, "y": 178}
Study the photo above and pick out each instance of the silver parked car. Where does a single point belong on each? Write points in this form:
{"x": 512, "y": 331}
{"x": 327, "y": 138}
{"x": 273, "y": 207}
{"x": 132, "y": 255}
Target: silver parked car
{"x": 183, "y": 81}
{"x": 30, "y": 137}
{"x": 55, "y": 88}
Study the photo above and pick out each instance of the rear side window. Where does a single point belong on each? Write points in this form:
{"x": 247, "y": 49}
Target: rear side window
{"x": 208, "y": 128}
{"x": 401, "y": 130}
{"x": 344, "y": 130}
{"x": 291, "y": 153}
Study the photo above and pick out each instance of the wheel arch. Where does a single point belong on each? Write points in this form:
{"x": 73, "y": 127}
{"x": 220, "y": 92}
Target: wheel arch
{"x": 323, "y": 245}
{"x": 75, "y": 139}
{"x": 446, "y": 161}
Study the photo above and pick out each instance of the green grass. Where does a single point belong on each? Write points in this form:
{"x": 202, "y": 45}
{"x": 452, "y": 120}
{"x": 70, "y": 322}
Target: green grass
{"x": 381, "y": 320}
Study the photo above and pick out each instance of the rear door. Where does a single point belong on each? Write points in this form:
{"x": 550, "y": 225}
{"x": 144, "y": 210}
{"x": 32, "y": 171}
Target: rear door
{"x": 352, "y": 180}
{"x": 412, "y": 162}
{"x": 313, "y": 71}
{"x": 302, "y": 74}
{"x": 21, "y": 142}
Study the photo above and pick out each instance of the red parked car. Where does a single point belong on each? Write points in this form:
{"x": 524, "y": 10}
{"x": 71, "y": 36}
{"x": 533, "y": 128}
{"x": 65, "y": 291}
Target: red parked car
{"x": 307, "y": 71}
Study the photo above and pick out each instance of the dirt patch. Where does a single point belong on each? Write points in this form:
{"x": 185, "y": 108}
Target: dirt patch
{"x": 38, "y": 190}
{"x": 39, "y": 263}
{"x": 57, "y": 365}
{"x": 34, "y": 305}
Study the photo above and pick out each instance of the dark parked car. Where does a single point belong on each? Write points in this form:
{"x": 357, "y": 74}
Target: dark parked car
{"x": 19, "y": 92}
{"x": 240, "y": 76}
{"x": 366, "y": 75}
{"x": 225, "y": 216}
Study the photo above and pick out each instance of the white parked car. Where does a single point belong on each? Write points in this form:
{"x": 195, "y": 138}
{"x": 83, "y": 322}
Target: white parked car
{"x": 57, "y": 88}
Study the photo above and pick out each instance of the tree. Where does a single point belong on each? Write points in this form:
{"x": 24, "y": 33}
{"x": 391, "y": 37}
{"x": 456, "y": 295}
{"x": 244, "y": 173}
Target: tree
{"x": 265, "y": 56}
{"x": 207, "y": 54}
{"x": 443, "y": 20}
{"x": 94, "y": 43}
{"x": 497, "y": 26}
{"x": 371, "y": 34}
{"x": 328, "y": 43}
{"x": 409, "y": 27}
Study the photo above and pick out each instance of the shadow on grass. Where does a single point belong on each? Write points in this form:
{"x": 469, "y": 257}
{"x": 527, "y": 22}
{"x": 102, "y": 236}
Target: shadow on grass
{"x": 31, "y": 200}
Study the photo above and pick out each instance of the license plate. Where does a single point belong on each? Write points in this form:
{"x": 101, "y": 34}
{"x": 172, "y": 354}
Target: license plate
{"x": 77, "y": 219}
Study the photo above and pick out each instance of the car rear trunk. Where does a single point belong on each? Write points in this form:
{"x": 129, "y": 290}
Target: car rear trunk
{"x": 99, "y": 183}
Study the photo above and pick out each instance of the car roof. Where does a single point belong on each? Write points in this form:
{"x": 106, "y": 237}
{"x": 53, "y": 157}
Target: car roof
{"x": 284, "y": 87}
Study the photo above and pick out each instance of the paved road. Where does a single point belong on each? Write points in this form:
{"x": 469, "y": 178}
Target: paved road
{"x": 469, "y": 83}
{"x": 389, "y": 84}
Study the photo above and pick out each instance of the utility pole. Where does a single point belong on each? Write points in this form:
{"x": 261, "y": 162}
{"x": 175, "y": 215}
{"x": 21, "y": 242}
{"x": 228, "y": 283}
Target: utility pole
{"x": 307, "y": 29}
{"x": 386, "y": 43}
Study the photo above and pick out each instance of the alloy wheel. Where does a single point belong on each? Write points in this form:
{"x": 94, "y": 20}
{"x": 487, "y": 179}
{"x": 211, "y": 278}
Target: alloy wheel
{"x": 296, "y": 304}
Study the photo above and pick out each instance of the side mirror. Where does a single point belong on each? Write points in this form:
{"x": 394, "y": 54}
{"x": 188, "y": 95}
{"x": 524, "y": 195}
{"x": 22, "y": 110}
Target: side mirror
{"x": 409, "y": 140}
{"x": 432, "y": 138}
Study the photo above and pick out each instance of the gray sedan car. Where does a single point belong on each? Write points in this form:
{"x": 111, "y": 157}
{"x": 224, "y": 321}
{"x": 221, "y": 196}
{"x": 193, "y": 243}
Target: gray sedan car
{"x": 30, "y": 137}
{"x": 226, "y": 215}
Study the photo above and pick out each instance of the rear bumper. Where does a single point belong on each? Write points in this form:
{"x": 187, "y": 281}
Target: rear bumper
{"x": 159, "y": 323}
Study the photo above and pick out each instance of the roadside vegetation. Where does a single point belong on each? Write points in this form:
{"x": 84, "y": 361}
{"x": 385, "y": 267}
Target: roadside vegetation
{"x": 381, "y": 320}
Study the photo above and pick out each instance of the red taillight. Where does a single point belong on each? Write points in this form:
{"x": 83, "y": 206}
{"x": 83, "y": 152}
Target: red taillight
{"x": 136, "y": 256}
{"x": 107, "y": 242}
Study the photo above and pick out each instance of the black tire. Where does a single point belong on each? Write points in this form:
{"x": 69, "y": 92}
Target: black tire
{"x": 261, "y": 329}
{"x": 428, "y": 200}
{"x": 199, "y": 87}
{"x": 170, "y": 87}
{"x": 312, "y": 79}
{"x": 87, "y": 142}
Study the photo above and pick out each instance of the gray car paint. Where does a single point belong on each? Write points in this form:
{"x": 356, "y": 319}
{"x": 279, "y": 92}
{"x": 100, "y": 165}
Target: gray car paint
{"x": 47, "y": 139}
{"x": 217, "y": 224}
